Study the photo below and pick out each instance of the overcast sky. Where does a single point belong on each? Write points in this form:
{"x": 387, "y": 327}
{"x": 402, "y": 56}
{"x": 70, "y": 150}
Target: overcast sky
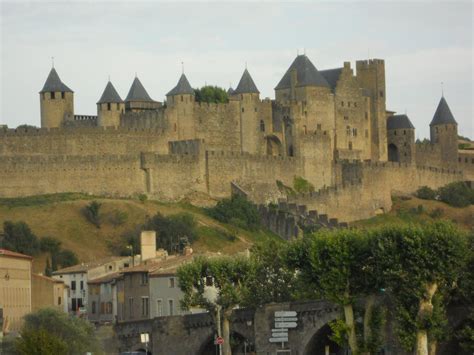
{"x": 423, "y": 44}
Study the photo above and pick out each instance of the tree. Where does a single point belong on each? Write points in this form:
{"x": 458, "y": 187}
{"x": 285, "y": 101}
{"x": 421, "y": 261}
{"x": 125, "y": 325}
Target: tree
{"x": 40, "y": 342}
{"x": 237, "y": 211}
{"x": 61, "y": 329}
{"x": 457, "y": 194}
{"x": 19, "y": 238}
{"x": 339, "y": 266}
{"x": 216, "y": 284}
{"x": 66, "y": 258}
{"x": 419, "y": 264}
{"x": 211, "y": 94}
{"x": 92, "y": 213}
{"x": 426, "y": 193}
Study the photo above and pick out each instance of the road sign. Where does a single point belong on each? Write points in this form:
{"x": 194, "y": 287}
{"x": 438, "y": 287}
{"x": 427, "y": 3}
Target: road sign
{"x": 285, "y": 314}
{"x": 278, "y": 340}
{"x": 286, "y": 319}
{"x": 279, "y": 335}
{"x": 219, "y": 341}
{"x": 285, "y": 325}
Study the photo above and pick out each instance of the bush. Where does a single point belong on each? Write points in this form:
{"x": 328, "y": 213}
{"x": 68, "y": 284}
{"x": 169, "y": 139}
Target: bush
{"x": 237, "y": 211}
{"x": 142, "y": 198}
{"x": 18, "y": 237}
{"x": 426, "y": 193}
{"x": 456, "y": 194}
{"x": 40, "y": 342}
{"x": 301, "y": 185}
{"x": 92, "y": 213}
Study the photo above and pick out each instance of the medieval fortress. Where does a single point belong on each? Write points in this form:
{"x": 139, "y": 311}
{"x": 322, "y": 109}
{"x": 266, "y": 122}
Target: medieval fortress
{"x": 330, "y": 127}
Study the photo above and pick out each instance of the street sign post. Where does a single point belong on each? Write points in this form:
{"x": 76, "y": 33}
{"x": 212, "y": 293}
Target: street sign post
{"x": 284, "y": 320}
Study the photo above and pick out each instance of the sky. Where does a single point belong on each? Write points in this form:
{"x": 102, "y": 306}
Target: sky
{"x": 423, "y": 43}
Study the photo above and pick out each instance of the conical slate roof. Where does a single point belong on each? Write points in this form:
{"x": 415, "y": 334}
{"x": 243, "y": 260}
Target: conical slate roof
{"x": 137, "y": 92}
{"x": 183, "y": 87}
{"x": 230, "y": 91}
{"x": 399, "y": 122}
{"x": 332, "y": 76}
{"x": 54, "y": 83}
{"x": 110, "y": 95}
{"x": 306, "y": 74}
{"x": 246, "y": 85}
{"x": 443, "y": 114}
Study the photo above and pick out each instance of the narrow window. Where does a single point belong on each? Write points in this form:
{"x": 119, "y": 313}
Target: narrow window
{"x": 305, "y": 130}
{"x": 159, "y": 308}
{"x": 342, "y": 103}
{"x": 350, "y": 145}
{"x": 144, "y": 306}
{"x": 181, "y": 98}
{"x": 171, "y": 282}
{"x": 53, "y": 96}
{"x": 171, "y": 307}
{"x": 355, "y": 104}
{"x": 82, "y": 285}
{"x": 394, "y": 133}
{"x": 62, "y": 94}
{"x": 108, "y": 106}
{"x": 381, "y": 93}
{"x": 175, "y": 127}
{"x": 348, "y": 130}
{"x": 73, "y": 285}
{"x": 59, "y": 300}
{"x": 262, "y": 126}
{"x": 243, "y": 109}
{"x": 404, "y": 132}
{"x": 130, "y": 307}
{"x": 93, "y": 307}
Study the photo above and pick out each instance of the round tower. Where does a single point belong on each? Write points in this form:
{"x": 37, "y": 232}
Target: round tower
{"x": 109, "y": 107}
{"x": 56, "y": 101}
{"x": 444, "y": 133}
{"x": 180, "y": 103}
{"x": 400, "y": 139}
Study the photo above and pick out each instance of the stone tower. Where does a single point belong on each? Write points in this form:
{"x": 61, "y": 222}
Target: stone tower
{"x": 249, "y": 98}
{"x": 180, "y": 100}
{"x": 109, "y": 107}
{"x": 138, "y": 99}
{"x": 371, "y": 77}
{"x": 444, "y": 133}
{"x": 401, "y": 139}
{"x": 56, "y": 101}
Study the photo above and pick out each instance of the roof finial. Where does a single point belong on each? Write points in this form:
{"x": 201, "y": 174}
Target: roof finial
{"x": 182, "y": 67}
{"x": 442, "y": 89}
{"x": 52, "y": 62}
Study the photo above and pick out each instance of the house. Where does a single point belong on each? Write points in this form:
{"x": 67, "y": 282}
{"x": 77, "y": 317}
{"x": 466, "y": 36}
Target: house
{"x": 15, "y": 287}
{"x": 102, "y": 305}
{"x": 77, "y": 277}
{"x": 48, "y": 292}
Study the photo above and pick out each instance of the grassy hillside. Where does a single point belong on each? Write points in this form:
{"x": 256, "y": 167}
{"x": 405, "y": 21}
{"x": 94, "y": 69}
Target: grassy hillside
{"x": 415, "y": 210}
{"x": 60, "y": 216}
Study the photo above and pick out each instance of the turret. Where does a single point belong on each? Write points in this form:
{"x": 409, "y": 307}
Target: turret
{"x": 371, "y": 78}
{"x": 444, "y": 132}
{"x": 138, "y": 99}
{"x": 109, "y": 107}
{"x": 249, "y": 98}
{"x": 56, "y": 101}
{"x": 400, "y": 139}
{"x": 180, "y": 101}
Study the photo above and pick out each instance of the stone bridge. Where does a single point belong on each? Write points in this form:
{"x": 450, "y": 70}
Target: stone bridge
{"x": 250, "y": 331}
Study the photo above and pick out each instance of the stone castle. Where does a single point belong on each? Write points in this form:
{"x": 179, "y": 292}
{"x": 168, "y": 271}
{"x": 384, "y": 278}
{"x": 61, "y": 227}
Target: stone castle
{"x": 330, "y": 127}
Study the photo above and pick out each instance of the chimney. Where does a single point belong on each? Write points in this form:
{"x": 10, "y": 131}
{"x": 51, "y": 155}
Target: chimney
{"x": 148, "y": 245}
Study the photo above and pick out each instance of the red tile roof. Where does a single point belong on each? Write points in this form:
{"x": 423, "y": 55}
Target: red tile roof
{"x": 12, "y": 254}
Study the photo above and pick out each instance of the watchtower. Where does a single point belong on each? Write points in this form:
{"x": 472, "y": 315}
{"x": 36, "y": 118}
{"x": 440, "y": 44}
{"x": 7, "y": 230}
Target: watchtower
{"x": 56, "y": 101}
{"x": 109, "y": 107}
{"x": 444, "y": 132}
{"x": 400, "y": 139}
{"x": 180, "y": 101}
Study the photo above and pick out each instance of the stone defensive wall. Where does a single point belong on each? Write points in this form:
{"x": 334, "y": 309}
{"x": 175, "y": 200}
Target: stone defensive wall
{"x": 466, "y": 163}
{"x": 82, "y": 141}
{"x": 428, "y": 154}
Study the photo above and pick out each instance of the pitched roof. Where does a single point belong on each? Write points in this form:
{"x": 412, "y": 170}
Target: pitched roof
{"x": 306, "y": 74}
{"x": 110, "y": 95}
{"x": 54, "y": 83}
{"x": 183, "y": 87}
{"x": 332, "y": 76}
{"x": 105, "y": 279}
{"x": 246, "y": 85}
{"x": 443, "y": 114}
{"x": 399, "y": 122}
{"x": 137, "y": 92}
{"x": 84, "y": 267}
{"x": 12, "y": 254}
{"x": 230, "y": 91}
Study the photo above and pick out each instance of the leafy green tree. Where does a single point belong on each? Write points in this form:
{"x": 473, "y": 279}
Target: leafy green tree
{"x": 66, "y": 258}
{"x": 92, "y": 213}
{"x": 419, "y": 265}
{"x": 58, "y": 329}
{"x": 218, "y": 285}
{"x": 50, "y": 245}
{"x": 211, "y": 94}
{"x": 426, "y": 193}
{"x": 457, "y": 194}
{"x": 18, "y": 237}
{"x": 237, "y": 211}
{"x": 40, "y": 342}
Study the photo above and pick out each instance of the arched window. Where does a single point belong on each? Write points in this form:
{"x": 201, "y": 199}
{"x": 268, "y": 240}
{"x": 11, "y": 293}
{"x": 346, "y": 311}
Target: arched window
{"x": 262, "y": 126}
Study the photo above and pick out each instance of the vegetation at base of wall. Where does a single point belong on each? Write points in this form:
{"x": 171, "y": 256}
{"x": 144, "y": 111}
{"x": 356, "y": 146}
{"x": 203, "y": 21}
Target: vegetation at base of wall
{"x": 287, "y": 190}
{"x": 301, "y": 185}
{"x": 237, "y": 211}
{"x": 38, "y": 200}
{"x": 142, "y": 197}
{"x": 456, "y": 194}
{"x": 426, "y": 193}
{"x": 49, "y": 330}
{"x": 211, "y": 94}
{"x": 92, "y": 213}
